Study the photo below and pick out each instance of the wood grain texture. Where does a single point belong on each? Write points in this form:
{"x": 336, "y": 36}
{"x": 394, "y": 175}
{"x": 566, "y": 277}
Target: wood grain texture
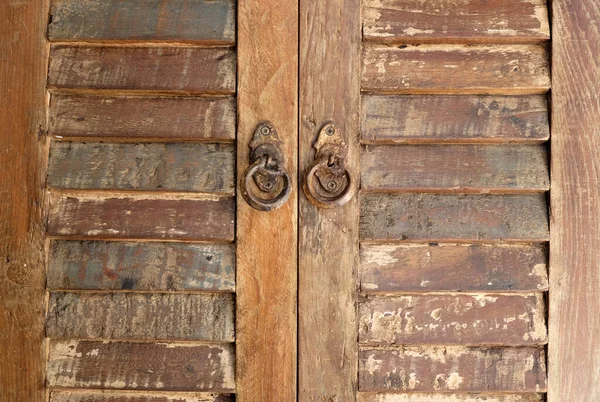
{"x": 133, "y": 396}
{"x": 330, "y": 47}
{"x": 141, "y": 366}
{"x": 195, "y": 317}
{"x": 500, "y": 69}
{"x": 453, "y": 268}
{"x": 99, "y": 265}
{"x": 574, "y": 354}
{"x": 181, "y": 69}
{"x": 442, "y": 397}
{"x": 204, "y": 21}
{"x": 267, "y": 242}
{"x": 449, "y": 217}
{"x": 453, "y": 369}
{"x": 127, "y": 217}
{"x": 454, "y": 118}
{"x": 467, "y": 21}
{"x": 22, "y": 164}
{"x": 453, "y": 319}
{"x": 455, "y": 168}
{"x": 134, "y": 118}
{"x": 207, "y": 168}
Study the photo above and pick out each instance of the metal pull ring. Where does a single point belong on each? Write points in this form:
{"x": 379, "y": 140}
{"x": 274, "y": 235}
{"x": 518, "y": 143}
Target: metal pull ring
{"x": 265, "y": 175}
{"x": 327, "y": 183}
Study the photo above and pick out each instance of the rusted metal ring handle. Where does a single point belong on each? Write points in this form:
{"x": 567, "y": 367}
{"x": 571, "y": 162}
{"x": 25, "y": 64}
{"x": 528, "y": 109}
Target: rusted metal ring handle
{"x": 262, "y": 204}
{"x": 311, "y": 181}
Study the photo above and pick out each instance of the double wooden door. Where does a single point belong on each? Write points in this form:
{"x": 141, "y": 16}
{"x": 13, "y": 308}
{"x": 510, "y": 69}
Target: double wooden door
{"x": 322, "y": 201}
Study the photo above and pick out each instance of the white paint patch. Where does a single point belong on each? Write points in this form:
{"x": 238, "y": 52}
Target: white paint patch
{"x": 415, "y": 31}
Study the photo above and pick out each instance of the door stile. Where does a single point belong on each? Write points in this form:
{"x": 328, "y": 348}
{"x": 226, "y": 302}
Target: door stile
{"x": 266, "y": 323}
{"x": 574, "y": 322}
{"x": 328, "y": 237}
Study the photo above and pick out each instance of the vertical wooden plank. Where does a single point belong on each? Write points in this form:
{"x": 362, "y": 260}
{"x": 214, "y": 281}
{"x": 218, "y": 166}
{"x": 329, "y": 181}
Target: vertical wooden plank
{"x": 267, "y": 241}
{"x": 328, "y": 238}
{"x": 22, "y": 160}
{"x": 574, "y": 351}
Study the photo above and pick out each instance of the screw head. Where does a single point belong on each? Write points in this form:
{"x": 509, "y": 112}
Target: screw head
{"x": 331, "y": 186}
{"x": 265, "y": 130}
{"x": 268, "y": 185}
{"x": 329, "y": 131}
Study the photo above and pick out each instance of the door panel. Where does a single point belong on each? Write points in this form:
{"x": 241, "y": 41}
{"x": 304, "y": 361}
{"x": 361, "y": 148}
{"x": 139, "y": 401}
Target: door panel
{"x": 141, "y": 268}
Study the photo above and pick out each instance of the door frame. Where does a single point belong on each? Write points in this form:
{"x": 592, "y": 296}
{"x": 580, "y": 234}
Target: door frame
{"x": 574, "y": 300}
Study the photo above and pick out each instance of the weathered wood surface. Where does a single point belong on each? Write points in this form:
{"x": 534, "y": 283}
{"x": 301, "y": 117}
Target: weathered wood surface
{"x": 500, "y": 69}
{"x": 455, "y": 168}
{"x": 446, "y": 397}
{"x": 454, "y": 118}
{"x": 22, "y": 164}
{"x": 453, "y": 268}
{"x": 181, "y": 69}
{"x": 448, "y": 217}
{"x": 467, "y": 21}
{"x": 197, "y": 317}
{"x": 204, "y": 21}
{"x": 141, "y": 366}
{"x": 133, "y": 396}
{"x": 144, "y": 217}
{"x": 205, "y": 168}
{"x": 138, "y": 117}
{"x": 574, "y": 352}
{"x": 330, "y": 51}
{"x": 453, "y": 368}
{"x": 453, "y": 319}
{"x": 267, "y": 242}
{"x": 99, "y": 265}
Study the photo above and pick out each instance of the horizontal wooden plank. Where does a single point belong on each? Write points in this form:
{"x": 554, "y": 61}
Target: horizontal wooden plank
{"x": 453, "y": 268}
{"x": 500, "y": 69}
{"x": 456, "y": 368}
{"x": 467, "y": 21}
{"x": 206, "y": 21}
{"x": 142, "y": 217}
{"x": 453, "y": 319}
{"x": 141, "y": 366}
{"x": 454, "y": 118}
{"x": 162, "y": 316}
{"x": 456, "y": 168}
{"x": 134, "y": 396}
{"x": 182, "y": 69}
{"x": 99, "y": 265}
{"x": 205, "y": 168}
{"x": 445, "y": 397}
{"x": 137, "y": 117}
{"x": 448, "y": 217}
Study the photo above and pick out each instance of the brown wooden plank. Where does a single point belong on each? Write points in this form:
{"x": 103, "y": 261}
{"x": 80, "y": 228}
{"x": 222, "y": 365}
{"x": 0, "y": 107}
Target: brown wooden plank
{"x": 205, "y": 168}
{"x": 453, "y": 268}
{"x": 330, "y": 48}
{"x": 126, "y": 117}
{"x": 197, "y": 317}
{"x": 448, "y": 217}
{"x": 267, "y": 252}
{"x": 133, "y": 396}
{"x": 75, "y": 265}
{"x": 453, "y": 319}
{"x": 454, "y": 118}
{"x": 144, "y": 217}
{"x": 205, "y": 21}
{"x": 182, "y": 69}
{"x": 574, "y": 357}
{"x": 22, "y": 164}
{"x": 444, "y": 397}
{"x": 467, "y": 21}
{"x": 500, "y": 69}
{"x": 456, "y": 168}
{"x": 456, "y": 368}
{"x": 141, "y": 366}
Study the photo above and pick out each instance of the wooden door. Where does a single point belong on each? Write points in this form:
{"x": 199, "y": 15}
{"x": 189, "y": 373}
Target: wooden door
{"x": 430, "y": 233}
